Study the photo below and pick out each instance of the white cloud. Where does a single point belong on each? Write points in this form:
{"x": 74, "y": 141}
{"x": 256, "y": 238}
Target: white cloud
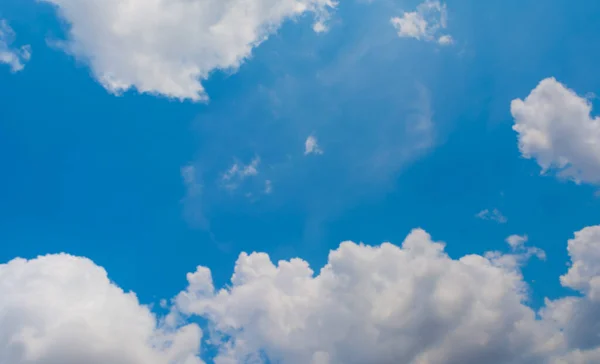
{"x": 519, "y": 255}
{"x": 584, "y": 273}
{"x": 14, "y": 58}
{"x": 517, "y": 241}
{"x": 424, "y": 23}
{"x": 445, "y": 39}
{"x": 494, "y": 215}
{"x": 63, "y": 309}
{"x": 579, "y": 317}
{"x": 368, "y": 304}
{"x": 238, "y": 172}
{"x": 169, "y": 47}
{"x": 311, "y": 146}
{"x": 385, "y": 304}
{"x": 268, "y": 187}
{"x": 555, "y": 127}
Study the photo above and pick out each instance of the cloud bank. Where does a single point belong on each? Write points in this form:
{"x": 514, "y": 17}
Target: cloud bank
{"x": 369, "y": 304}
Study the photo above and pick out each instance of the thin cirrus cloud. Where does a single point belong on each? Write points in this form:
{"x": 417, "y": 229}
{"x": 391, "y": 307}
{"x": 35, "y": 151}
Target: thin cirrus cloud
{"x": 555, "y": 127}
{"x": 425, "y": 23}
{"x": 268, "y": 187}
{"x": 169, "y": 47}
{"x": 238, "y": 172}
{"x": 15, "y": 58}
{"x": 369, "y": 304}
{"x": 493, "y": 215}
{"x": 193, "y": 197}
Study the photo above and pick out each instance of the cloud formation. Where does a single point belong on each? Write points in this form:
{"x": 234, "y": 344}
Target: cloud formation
{"x": 579, "y": 317}
{"x": 425, "y": 23}
{"x": 519, "y": 254}
{"x": 63, "y": 309}
{"x": 369, "y": 304}
{"x": 408, "y": 304}
{"x": 15, "y": 58}
{"x": 494, "y": 215}
{"x": 555, "y": 127}
{"x": 169, "y": 47}
{"x": 311, "y": 146}
{"x": 238, "y": 172}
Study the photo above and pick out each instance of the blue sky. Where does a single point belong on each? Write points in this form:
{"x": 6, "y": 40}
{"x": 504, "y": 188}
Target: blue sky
{"x": 413, "y": 134}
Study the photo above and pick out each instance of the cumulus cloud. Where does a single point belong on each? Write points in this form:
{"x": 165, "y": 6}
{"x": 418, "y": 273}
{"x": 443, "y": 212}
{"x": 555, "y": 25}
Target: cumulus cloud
{"x": 64, "y": 309}
{"x": 493, "y": 215}
{"x": 384, "y": 304}
{"x": 579, "y": 317}
{"x": 169, "y": 47}
{"x": 584, "y": 273}
{"x": 311, "y": 146}
{"x": 555, "y": 127}
{"x": 369, "y": 304}
{"x": 425, "y": 23}
{"x": 15, "y": 58}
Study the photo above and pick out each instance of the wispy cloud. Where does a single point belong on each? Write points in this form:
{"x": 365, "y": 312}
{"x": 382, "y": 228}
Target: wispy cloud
{"x": 268, "y": 187}
{"x": 238, "y": 172}
{"x": 193, "y": 197}
{"x": 15, "y": 58}
{"x": 493, "y": 215}
{"x": 367, "y": 70}
{"x": 519, "y": 255}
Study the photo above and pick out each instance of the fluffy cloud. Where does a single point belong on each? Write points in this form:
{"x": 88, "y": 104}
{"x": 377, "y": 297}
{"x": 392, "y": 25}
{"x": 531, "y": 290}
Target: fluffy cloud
{"x": 579, "y": 317}
{"x": 368, "y": 304}
{"x": 311, "y": 146}
{"x": 168, "y": 47}
{"x": 63, "y": 309}
{"x": 424, "y": 23}
{"x": 517, "y": 241}
{"x": 385, "y": 304}
{"x": 555, "y": 127}
{"x": 14, "y": 58}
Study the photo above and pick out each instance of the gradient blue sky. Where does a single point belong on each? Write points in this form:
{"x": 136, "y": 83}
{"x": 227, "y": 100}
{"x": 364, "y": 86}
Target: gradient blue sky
{"x": 414, "y": 134}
